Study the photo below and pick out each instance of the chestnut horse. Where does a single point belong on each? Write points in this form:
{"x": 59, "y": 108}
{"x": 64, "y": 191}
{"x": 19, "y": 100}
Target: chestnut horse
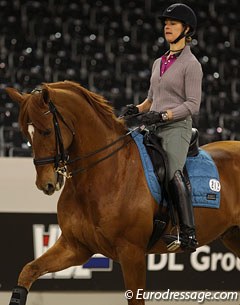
{"x": 106, "y": 206}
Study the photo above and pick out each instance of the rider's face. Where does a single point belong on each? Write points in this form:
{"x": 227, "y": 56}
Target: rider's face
{"x": 172, "y": 29}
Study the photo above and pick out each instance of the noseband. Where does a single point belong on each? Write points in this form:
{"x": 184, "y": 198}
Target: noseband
{"x": 62, "y": 157}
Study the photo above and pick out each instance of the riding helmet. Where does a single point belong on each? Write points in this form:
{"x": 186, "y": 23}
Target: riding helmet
{"x": 183, "y": 13}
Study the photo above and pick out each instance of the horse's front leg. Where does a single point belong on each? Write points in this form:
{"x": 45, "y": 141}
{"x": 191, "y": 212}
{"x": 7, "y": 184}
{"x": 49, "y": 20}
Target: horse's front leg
{"x": 59, "y": 257}
{"x": 133, "y": 262}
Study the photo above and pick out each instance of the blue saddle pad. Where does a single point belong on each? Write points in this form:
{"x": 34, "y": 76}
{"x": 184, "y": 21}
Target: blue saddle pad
{"x": 202, "y": 172}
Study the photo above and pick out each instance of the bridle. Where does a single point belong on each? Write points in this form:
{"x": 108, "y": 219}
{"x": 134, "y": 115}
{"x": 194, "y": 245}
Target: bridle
{"x": 62, "y": 159}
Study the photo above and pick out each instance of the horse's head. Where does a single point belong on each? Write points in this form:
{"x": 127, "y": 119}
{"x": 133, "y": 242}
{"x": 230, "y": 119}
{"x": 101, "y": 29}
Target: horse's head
{"x": 50, "y": 132}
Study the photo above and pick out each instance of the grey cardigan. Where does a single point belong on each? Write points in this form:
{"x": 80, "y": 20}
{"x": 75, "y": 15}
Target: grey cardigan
{"x": 179, "y": 88}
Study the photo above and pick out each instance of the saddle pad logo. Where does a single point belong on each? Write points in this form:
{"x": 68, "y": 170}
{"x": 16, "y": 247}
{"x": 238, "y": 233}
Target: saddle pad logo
{"x": 214, "y": 185}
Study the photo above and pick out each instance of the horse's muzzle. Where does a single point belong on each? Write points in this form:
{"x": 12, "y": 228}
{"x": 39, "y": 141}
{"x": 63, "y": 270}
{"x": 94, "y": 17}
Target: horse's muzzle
{"x": 50, "y": 186}
{"x": 49, "y": 189}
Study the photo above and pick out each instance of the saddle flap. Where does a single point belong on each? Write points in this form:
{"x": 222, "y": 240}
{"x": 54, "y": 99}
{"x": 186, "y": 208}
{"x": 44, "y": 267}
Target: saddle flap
{"x": 193, "y": 149}
{"x": 157, "y": 155}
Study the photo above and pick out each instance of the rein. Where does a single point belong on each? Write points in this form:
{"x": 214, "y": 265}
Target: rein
{"x": 84, "y": 169}
{"x": 61, "y": 160}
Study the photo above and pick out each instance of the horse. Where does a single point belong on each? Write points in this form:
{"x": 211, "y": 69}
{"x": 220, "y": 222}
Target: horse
{"x": 105, "y": 205}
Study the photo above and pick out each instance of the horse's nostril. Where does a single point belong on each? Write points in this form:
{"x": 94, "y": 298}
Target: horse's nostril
{"x": 49, "y": 189}
{"x": 50, "y": 186}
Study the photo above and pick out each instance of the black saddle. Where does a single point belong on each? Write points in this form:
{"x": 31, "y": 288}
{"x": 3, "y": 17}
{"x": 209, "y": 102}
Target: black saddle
{"x": 194, "y": 144}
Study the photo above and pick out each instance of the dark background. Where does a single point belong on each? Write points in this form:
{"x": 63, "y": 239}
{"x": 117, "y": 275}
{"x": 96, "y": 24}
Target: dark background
{"x": 109, "y": 47}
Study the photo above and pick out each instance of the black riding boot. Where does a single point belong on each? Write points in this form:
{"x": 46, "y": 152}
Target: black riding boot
{"x": 181, "y": 199}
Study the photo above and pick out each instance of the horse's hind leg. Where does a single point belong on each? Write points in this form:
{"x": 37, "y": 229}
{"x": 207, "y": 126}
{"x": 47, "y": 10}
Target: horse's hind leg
{"x": 231, "y": 240}
{"x": 59, "y": 257}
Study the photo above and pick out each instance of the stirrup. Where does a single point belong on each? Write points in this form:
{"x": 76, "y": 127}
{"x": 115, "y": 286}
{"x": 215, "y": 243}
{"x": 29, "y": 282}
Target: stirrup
{"x": 173, "y": 242}
{"x": 174, "y": 245}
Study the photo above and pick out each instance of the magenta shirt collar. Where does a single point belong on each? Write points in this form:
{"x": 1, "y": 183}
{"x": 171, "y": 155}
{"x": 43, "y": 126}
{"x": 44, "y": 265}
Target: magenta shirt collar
{"x": 166, "y": 63}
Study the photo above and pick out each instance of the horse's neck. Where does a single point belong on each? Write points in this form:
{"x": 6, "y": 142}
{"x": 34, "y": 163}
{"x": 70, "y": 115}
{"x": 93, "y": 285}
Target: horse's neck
{"x": 91, "y": 133}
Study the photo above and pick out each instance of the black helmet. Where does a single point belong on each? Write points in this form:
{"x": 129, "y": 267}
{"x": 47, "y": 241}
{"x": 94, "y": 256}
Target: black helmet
{"x": 183, "y": 13}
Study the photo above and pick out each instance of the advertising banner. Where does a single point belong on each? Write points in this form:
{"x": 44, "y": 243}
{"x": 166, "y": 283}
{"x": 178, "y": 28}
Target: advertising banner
{"x": 26, "y": 236}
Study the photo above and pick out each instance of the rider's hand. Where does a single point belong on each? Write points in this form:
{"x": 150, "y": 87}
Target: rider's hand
{"x": 153, "y": 117}
{"x": 130, "y": 110}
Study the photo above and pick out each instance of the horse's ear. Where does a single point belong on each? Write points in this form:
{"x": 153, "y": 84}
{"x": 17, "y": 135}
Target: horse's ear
{"x": 45, "y": 95}
{"x": 15, "y": 95}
